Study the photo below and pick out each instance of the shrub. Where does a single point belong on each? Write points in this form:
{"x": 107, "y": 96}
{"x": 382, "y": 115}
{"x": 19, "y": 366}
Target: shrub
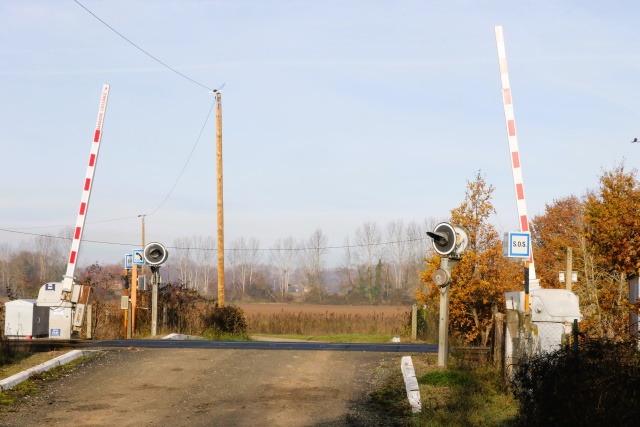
{"x": 600, "y": 385}
{"x": 225, "y": 322}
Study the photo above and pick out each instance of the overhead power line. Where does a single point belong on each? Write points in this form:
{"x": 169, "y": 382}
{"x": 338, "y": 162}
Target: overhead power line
{"x": 188, "y": 159}
{"x": 206, "y": 120}
{"x": 229, "y": 249}
{"x": 142, "y": 50}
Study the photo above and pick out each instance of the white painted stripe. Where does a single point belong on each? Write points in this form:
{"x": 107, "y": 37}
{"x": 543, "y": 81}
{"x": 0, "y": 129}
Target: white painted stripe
{"x": 411, "y": 384}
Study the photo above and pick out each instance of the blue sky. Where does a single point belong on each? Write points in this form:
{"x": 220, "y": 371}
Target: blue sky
{"x": 334, "y": 112}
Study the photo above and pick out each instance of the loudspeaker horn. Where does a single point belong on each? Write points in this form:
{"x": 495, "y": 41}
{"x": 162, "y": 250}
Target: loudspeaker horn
{"x": 155, "y": 253}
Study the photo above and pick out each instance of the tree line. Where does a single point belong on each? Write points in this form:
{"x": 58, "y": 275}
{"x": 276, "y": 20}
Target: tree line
{"x": 378, "y": 265}
{"x": 393, "y": 264}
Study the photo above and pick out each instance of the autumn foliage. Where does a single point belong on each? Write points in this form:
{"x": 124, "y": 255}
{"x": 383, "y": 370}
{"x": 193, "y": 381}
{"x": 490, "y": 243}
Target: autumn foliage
{"x": 603, "y": 230}
{"x": 480, "y": 280}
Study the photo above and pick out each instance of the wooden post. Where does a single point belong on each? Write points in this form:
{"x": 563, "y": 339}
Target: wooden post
{"x": 414, "y": 322}
{"x": 129, "y": 333}
{"x": 498, "y": 339}
{"x": 165, "y": 315}
{"x": 143, "y": 244}
{"x": 89, "y": 321}
{"x": 568, "y": 276}
{"x": 125, "y": 313}
{"x": 220, "y": 198}
{"x": 134, "y": 297}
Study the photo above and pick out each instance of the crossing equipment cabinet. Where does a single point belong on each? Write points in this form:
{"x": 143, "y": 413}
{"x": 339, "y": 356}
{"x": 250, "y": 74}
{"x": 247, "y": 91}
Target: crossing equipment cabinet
{"x": 24, "y": 319}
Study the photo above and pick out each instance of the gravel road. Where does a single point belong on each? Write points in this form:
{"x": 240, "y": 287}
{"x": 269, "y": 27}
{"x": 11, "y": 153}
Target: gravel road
{"x": 213, "y": 387}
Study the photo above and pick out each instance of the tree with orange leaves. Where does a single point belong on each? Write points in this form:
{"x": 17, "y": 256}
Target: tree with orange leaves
{"x": 480, "y": 280}
{"x": 560, "y": 227}
{"x": 613, "y": 233}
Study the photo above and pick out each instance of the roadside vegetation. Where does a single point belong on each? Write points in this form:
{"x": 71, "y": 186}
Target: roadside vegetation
{"x": 466, "y": 394}
{"x": 595, "y": 384}
{"x": 35, "y": 384}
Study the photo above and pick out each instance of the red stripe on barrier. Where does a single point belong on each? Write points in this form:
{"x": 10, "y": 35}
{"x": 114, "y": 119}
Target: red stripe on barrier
{"x": 96, "y": 137}
{"x": 515, "y": 158}
{"x": 511, "y": 125}
{"x": 77, "y": 235}
{"x": 72, "y": 258}
{"x": 92, "y": 160}
{"x": 87, "y": 184}
{"x": 507, "y": 96}
{"x": 83, "y": 207}
{"x": 524, "y": 223}
{"x": 519, "y": 191}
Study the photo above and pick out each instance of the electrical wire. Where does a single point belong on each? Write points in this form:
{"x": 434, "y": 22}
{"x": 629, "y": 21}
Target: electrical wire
{"x": 232, "y": 249}
{"x": 206, "y": 120}
{"x": 187, "y": 162}
{"x": 71, "y": 225}
{"x": 142, "y": 50}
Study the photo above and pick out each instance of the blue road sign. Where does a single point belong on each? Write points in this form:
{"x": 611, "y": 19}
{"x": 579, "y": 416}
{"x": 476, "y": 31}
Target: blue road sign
{"x": 138, "y": 256}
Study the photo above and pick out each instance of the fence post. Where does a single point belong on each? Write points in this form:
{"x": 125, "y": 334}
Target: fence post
{"x": 414, "y": 322}
{"x": 498, "y": 340}
{"x": 89, "y": 321}
{"x": 575, "y": 337}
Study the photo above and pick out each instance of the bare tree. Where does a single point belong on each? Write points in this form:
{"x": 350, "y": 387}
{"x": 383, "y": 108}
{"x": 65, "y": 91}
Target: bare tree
{"x": 397, "y": 251}
{"x": 232, "y": 261}
{"x": 369, "y": 253}
{"x": 183, "y": 261}
{"x": 283, "y": 256}
{"x": 312, "y": 264}
{"x": 244, "y": 258}
{"x": 254, "y": 256}
{"x": 49, "y": 257}
{"x": 349, "y": 267}
{"x": 7, "y": 282}
{"x": 205, "y": 256}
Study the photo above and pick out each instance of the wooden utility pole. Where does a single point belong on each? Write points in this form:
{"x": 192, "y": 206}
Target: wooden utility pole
{"x": 134, "y": 297}
{"x": 568, "y": 276}
{"x": 220, "y": 206}
{"x": 143, "y": 244}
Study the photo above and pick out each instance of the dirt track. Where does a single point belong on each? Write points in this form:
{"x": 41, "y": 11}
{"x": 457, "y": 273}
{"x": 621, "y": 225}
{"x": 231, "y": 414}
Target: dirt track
{"x": 189, "y": 387}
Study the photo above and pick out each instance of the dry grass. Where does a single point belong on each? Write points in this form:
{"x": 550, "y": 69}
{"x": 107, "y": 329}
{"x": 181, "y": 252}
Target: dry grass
{"x": 324, "y": 319}
{"x": 27, "y": 362}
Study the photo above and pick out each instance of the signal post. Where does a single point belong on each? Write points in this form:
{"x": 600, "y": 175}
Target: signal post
{"x": 449, "y": 241}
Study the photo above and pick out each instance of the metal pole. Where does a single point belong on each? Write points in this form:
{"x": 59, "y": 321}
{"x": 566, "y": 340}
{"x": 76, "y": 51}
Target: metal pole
{"x": 443, "y": 327}
{"x": 526, "y": 287}
{"x": 154, "y": 301}
{"x": 220, "y": 198}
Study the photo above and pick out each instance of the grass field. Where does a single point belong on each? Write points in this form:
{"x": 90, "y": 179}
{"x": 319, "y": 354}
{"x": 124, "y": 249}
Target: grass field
{"x": 316, "y": 320}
